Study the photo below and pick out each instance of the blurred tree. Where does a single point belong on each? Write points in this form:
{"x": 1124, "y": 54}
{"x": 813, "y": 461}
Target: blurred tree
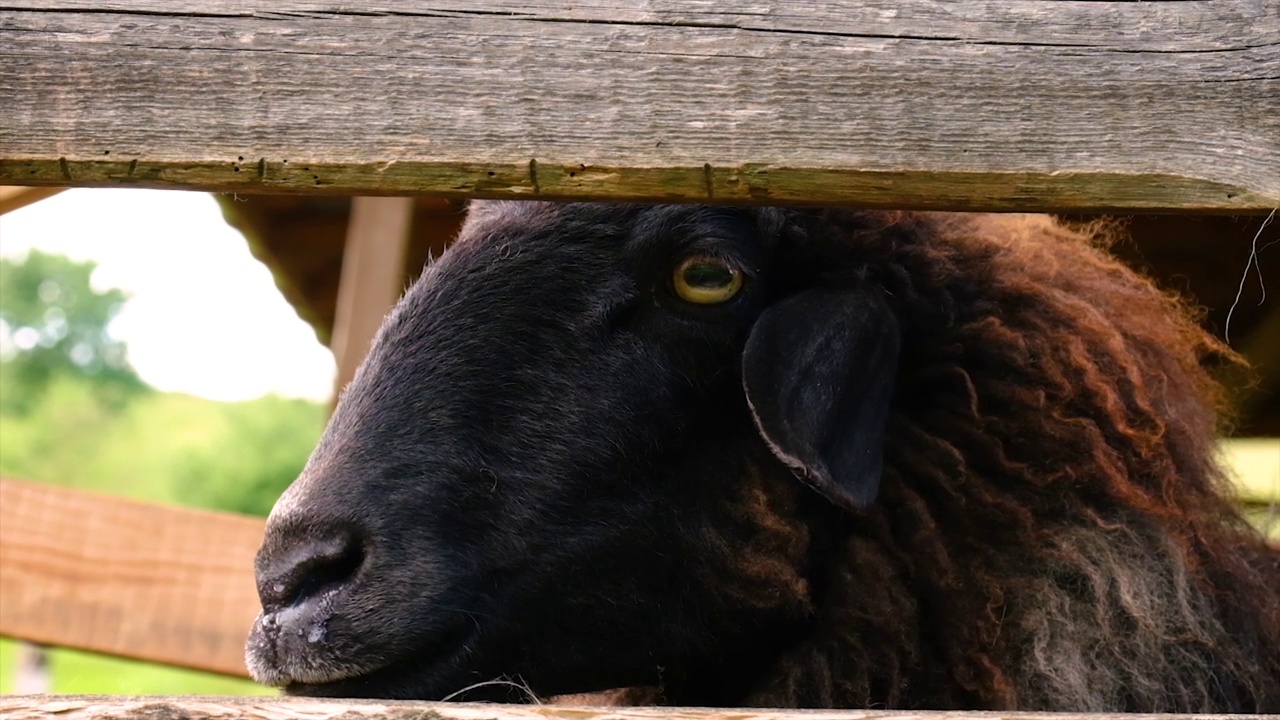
{"x": 54, "y": 324}
{"x": 74, "y": 413}
{"x": 262, "y": 446}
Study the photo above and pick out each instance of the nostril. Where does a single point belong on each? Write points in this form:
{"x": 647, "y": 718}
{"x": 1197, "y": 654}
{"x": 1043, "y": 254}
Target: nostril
{"x": 324, "y": 572}
{"x": 308, "y": 570}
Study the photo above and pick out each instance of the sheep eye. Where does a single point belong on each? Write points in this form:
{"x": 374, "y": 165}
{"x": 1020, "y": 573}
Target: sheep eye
{"x": 706, "y": 279}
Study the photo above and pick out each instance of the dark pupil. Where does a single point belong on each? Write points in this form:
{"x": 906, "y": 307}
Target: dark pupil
{"x": 708, "y": 275}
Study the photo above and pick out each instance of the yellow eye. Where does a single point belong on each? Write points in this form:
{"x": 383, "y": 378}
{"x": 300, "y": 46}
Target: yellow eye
{"x": 706, "y": 279}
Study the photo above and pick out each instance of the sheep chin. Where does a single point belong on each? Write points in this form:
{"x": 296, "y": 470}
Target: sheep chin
{"x": 437, "y": 671}
{"x": 274, "y": 659}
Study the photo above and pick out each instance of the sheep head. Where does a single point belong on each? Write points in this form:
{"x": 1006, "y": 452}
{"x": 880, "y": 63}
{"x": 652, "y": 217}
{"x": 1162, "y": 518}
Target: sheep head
{"x": 593, "y": 446}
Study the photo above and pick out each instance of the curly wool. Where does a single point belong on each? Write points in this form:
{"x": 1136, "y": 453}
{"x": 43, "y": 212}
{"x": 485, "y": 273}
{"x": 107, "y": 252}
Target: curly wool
{"x": 1053, "y": 532}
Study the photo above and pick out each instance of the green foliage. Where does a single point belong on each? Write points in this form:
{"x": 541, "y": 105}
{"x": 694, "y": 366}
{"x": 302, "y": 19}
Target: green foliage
{"x": 52, "y": 324}
{"x": 259, "y": 451}
{"x": 162, "y": 447}
{"x": 73, "y": 413}
{"x": 165, "y": 447}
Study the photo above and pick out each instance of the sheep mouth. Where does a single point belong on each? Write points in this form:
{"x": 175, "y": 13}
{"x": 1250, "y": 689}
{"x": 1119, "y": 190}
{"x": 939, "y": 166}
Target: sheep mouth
{"x": 440, "y": 669}
{"x": 309, "y": 650}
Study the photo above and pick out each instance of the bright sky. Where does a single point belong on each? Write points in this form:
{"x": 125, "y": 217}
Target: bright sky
{"x": 203, "y": 316}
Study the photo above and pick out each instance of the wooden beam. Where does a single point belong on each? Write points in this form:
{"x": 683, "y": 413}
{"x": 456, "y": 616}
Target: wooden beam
{"x": 13, "y": 197}
{"x": 73, "y": 707}
{"x": 372, "y": 278}
{"x": 116, "y": 576}
{"x": 1022, "y": 105}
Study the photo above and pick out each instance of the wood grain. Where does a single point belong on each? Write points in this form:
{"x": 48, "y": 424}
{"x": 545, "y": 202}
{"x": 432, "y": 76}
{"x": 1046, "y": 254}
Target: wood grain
{"x": 117, "y": 576}
{"x": 47, "y": 707}
{"x": 961, "y": 105}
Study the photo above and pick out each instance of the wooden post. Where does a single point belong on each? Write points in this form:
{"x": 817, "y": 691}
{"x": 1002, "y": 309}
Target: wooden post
{"x": 372, "y": 277}
{"x": 13, "y": 197}
{"x": 31, "y": 670}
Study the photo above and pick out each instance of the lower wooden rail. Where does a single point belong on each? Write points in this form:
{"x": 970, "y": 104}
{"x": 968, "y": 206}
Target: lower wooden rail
{"x": 151, "y": 582}
{"x": 83, "y": 707}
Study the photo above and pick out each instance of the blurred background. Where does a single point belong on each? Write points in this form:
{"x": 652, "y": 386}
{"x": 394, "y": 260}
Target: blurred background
{"x": 145, "y": 352}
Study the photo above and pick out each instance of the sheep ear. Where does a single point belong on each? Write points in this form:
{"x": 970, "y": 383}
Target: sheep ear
{"x": 818, "y": 370}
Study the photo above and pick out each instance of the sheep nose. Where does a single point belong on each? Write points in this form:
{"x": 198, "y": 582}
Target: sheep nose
{"x": 290, "y": 573}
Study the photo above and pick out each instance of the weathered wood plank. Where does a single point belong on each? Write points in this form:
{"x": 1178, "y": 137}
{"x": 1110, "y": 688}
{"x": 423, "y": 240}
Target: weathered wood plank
{"x": 72, "y": 707}
{"x": 116, "y": 576}
{"x": 960, "y": 105}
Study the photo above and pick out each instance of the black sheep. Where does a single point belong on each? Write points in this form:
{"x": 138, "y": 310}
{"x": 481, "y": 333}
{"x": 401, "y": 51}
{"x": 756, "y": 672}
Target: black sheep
{"x": 777, "y": 458}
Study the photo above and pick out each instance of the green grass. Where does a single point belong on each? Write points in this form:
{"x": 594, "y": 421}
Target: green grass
{"x": 73, "y": 671}
{"x": 163, "y": 447}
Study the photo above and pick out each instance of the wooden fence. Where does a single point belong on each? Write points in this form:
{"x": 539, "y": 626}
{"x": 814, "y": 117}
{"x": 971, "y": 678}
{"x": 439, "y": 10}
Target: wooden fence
{"x": 883, "y": 103}
{"x": 165, "y": 584}
{"x": 963, "y": 105}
